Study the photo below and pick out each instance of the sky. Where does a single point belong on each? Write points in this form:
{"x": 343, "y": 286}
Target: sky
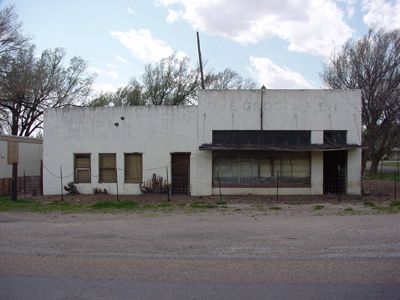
{"x": 279, "y": 44}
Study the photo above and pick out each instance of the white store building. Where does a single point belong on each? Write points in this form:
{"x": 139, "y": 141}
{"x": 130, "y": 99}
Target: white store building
{"x": 243, "y": 141}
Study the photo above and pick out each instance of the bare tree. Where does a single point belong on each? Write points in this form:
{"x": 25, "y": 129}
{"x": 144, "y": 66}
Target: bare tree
{"x": 171, "y": 81}
{"x": 11, "y": 39}
{"x": 372, "y": 64}
{"x": 29, "y": 85}
{"x": 228, "y": 79}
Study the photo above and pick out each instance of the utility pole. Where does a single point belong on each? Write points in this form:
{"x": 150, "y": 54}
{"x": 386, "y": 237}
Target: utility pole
{"x": 200, "y": 61}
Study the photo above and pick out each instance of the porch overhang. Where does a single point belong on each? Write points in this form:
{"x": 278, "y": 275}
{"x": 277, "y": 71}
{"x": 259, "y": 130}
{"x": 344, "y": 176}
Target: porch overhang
{"x": 283, "y": 148}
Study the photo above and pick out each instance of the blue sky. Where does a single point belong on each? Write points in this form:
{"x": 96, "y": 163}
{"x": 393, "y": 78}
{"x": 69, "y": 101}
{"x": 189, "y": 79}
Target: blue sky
{"x": 281, "y": 44}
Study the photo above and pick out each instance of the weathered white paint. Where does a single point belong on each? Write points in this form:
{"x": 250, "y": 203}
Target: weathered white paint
{"x": 159, "y": 131}
{"x": 29, "y": 155}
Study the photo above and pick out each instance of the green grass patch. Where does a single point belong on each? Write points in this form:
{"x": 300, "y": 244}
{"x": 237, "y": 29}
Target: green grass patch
{"x": 395, "y": 204}
{"x": 22, "y": 205}
{"x": 370, "y": 204}
{"x": 318, "y": 207}
{"x": 128, "y": 205}
{"x": 202, "y": 205}
{"x": 348, "y": 209}
{"x": 6, "y": 204}
{"x": 275, "y": 207}
{"x": 384, "y": 176}
{"x": 392, "y": 164}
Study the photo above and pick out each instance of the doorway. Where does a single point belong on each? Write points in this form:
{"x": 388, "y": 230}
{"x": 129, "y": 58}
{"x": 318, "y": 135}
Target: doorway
{"x": 335, "y": 170}
{"x": 180, "y": 169}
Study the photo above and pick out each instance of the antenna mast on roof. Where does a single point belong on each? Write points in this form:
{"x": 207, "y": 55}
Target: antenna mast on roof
{"x": 200, "y": 61}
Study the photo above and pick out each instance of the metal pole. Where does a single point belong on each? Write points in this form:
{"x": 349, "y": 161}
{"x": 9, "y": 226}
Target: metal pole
{"x": 116, "y": 180}
{"x": 261, "y": 109}
{"x": 395, "y": 186}
{"x": 166, "y": 170}
{"x": 219, "y": 187}
{"x": 24, "y": 185}
{"x": 277, "y": 185}
{"x": 339, "y": 184}
{"x": 200, "y": 61}
{"x": 61, "y": 177}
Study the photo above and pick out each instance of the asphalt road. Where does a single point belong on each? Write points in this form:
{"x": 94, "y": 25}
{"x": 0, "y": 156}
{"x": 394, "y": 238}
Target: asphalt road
{"x": 199, "y": 256}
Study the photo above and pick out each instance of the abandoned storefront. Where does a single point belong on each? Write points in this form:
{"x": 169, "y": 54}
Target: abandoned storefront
{"x": 237, "y": 141}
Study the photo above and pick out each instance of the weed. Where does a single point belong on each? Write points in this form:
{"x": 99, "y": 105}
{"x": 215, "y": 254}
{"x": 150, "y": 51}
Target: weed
{"x": 349, "y": 209}
{"x": 318, "y": 207}
{"x": 275, "y": 207}
{"x": 395, "y": 204}
{"x": 260, "y": 206}
{"x": 370, "y": 204}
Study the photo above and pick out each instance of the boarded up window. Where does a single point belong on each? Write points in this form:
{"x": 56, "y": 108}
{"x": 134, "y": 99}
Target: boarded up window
{"x": 82, "y": 168}
{"x": 133, "y": 168}
{"x": 107, "y": 167}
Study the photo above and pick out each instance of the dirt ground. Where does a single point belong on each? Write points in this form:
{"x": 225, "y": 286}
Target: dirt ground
{"x": 373, "y": 190}
{"x": 210, "y": 255}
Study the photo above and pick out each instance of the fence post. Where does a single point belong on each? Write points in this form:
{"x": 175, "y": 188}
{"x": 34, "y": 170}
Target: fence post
{"x": 166, "y": 170}
{"x": 61, "y": 181}
{"x": 116, "y": 180}
{"x": 277, "y": 185}
{"x": 339, "y": 183}
{"x": 381, "y": 169}
{"x": 24, "y": 185}
{"x": 219, "y": 187}
{"x": 395, "y": 187}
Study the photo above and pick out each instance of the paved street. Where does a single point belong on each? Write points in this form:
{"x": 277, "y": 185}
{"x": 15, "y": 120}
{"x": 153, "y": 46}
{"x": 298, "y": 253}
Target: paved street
{"x": 197, "y": 256}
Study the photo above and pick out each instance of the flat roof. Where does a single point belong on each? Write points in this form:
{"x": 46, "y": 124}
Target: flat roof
{"x": 21, "y": 139}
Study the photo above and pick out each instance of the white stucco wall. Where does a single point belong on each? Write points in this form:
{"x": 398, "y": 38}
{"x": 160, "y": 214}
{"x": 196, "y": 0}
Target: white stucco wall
{"x": 159, "y": 131}
{"x": 154, "y": 131}
{"x": 29, "y": 155}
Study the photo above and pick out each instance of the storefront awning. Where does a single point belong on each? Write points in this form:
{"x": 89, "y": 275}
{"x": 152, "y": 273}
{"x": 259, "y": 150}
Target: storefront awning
{"x": 283, "y": 148}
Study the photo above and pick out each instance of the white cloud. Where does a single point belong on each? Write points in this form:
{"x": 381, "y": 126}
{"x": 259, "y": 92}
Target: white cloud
{"x": 94, "y": 70}
{"x": 173, "y": 15}
{"x": 143, "y": 45}
{"x": 348, "y": 6}
{"x": 130, "y": 11}
{"x": 109, "y": 72}
{"x": 381, "y": 13}
{"x": 121, "y": 59}
{"x": 276, "y": 77}
{"x": 114, "y": 75}
{"x": 313, "y": 26}
{"x": 105, "y": 87}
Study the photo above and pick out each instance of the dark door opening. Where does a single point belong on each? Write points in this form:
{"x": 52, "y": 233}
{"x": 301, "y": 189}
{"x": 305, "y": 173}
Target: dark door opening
{"x": 335, "y": 170}
{"x": 180, "y": 169}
